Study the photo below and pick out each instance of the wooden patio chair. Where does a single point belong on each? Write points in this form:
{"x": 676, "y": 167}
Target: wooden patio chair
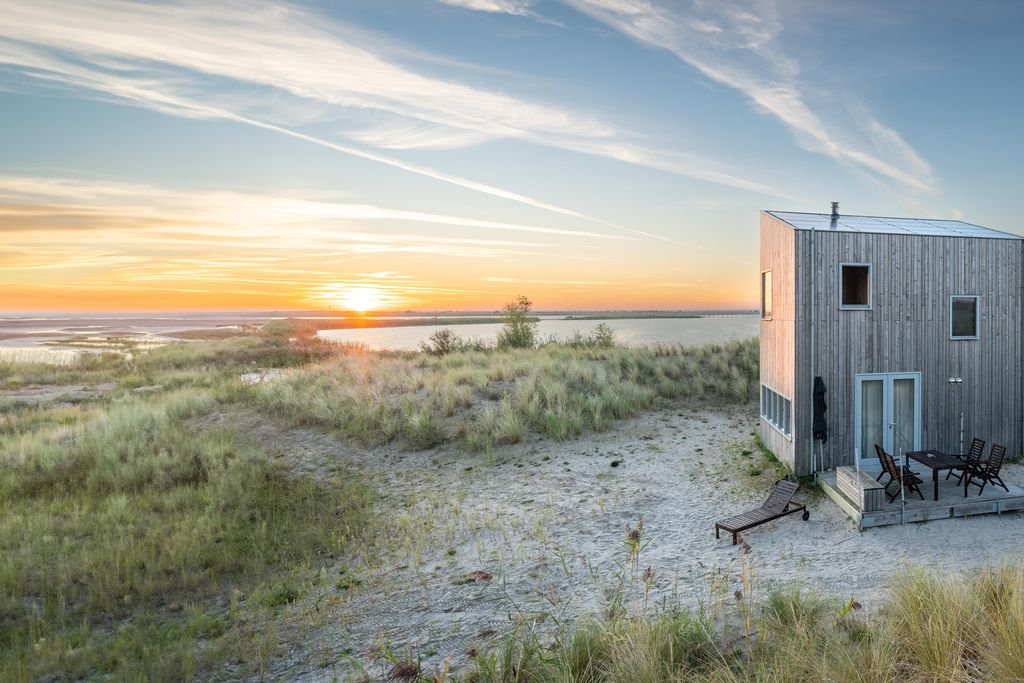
{"x": 880, "y": 452}
{"x": 988, "y": 471}
{"x": 973, "y": 456}
{"x": 779, "y": 504}
{"x": 901, "y": 476}
{"x": 972, "y": 463}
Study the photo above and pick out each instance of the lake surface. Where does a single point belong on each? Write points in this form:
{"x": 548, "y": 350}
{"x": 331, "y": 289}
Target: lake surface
{"x": 688, "y": 331}
{"x": 52, "y": 338}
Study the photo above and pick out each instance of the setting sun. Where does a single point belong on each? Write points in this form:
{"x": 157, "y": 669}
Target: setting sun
{"x": 361, "y": 299}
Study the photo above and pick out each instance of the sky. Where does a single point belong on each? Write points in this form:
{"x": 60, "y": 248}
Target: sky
{"x": 451, "y": 154}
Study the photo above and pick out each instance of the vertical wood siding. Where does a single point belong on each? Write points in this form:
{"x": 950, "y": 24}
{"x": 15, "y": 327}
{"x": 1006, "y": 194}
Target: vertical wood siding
{"x": 777, "y": 335}
{"x": 907, "y": 330}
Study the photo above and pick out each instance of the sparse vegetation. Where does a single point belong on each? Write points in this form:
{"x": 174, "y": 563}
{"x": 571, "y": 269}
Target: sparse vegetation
{"x": 602, "y": 337}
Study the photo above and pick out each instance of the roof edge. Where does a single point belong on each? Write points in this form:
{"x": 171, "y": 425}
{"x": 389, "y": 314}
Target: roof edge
{"x": 1007, "y": 235}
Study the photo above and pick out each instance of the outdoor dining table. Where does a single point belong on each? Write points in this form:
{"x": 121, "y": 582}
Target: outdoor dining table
{"x": 938, "y": 462}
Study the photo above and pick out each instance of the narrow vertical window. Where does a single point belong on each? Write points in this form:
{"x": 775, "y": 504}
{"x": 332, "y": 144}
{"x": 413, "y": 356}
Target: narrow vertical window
{"x": 964, "y": 314}
{"x": 855, "y": 285}
{"x": 766, "y": 295}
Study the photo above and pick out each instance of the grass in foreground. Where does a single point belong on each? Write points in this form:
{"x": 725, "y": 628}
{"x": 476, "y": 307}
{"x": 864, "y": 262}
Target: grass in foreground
{"x": 932, "y": 629}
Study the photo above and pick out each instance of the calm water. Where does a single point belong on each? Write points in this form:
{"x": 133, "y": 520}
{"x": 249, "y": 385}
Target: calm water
{"x": 51, "y": 338}
{"x": 630, "y": 332}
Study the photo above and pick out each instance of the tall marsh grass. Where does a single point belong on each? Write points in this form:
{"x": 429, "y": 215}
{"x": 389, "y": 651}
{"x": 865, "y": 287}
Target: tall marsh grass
{"x": 930, "y": 628}
{"x": 484, "y": 398}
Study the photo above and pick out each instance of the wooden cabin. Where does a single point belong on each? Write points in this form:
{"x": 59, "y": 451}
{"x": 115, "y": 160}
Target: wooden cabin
{"x": 909, "y": 323}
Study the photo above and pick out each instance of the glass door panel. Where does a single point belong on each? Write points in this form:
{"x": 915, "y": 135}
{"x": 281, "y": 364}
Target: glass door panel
{"x": 872, "y": 417}
{"x": 904, "y": 413}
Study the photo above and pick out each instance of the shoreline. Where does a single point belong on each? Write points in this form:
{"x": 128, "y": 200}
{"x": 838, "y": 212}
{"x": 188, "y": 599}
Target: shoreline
{"x": 110, "y": 333}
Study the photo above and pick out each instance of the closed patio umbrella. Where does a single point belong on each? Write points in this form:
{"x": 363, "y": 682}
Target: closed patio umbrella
{"x": 819, "y": 426}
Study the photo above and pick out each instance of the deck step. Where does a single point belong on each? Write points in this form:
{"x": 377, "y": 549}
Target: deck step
{"x": 861, "y": 488}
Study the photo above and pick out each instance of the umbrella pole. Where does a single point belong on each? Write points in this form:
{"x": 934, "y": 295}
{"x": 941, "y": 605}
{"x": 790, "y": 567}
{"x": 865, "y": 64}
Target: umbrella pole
{"x": 961, "y": 433}
{"x": 903, "y": 491}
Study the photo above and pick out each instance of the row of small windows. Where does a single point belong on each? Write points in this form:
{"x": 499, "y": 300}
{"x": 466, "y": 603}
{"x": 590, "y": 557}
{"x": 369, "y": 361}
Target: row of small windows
{"x": 855, "y": 294}
{"x": 775, "y": 409}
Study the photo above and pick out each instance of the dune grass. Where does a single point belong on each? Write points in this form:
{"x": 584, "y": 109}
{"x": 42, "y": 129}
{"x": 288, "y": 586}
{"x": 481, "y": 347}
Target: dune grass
{"x": 139, "y": 535}
{"x": 485, "y": 398}
{"x": 932, "y": 628}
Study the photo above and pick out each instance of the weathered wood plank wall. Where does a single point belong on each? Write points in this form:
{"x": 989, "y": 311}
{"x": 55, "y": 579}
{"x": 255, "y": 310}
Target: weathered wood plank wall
{"x": 907, "y": 330}
{"x": 777, "y": 335}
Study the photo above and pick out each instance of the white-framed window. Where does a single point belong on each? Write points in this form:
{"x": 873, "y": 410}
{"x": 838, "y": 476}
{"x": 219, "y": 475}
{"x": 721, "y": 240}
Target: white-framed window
{"x": 855, "y": 286}
{"x": 964, "y": 316}
{"x": 776, "y": 410}
{"x": 766, "y": 295}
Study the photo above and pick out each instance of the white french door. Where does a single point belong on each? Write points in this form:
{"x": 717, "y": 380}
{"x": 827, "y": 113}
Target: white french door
{"x": 888, "y": 413}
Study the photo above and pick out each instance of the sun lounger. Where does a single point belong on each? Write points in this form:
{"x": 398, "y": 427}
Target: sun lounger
{"x": 779, "y": 504}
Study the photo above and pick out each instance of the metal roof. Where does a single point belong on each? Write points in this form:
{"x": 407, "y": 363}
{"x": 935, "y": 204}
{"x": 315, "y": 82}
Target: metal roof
{"x": 890, "y": 226}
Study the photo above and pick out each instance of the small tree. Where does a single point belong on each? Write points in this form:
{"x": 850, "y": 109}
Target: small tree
{"x": 603, "y": 337}
{"x": 519, "y": 331}
{"x": 442, "y": 342}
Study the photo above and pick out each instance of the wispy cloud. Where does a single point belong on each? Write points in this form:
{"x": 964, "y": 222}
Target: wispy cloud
{"x": 82, "y": 204}
{"x": 518, "y": 7}
{"x": 109, "y": 236}
{"x": 740, "y": 44}
{"x": 279, "y": 67}
{"x": 581, "y": 283}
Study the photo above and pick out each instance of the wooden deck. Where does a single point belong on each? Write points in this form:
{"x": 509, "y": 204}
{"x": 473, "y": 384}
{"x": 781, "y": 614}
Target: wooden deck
{"x": 951, "y": 502}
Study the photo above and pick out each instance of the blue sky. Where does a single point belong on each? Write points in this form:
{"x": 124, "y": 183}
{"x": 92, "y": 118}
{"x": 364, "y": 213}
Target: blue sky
{"x": 453, "y": 153}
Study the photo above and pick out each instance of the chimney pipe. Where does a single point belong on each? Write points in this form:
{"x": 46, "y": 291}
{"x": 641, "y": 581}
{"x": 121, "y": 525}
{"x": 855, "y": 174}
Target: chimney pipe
{"x": 835, "y": 209}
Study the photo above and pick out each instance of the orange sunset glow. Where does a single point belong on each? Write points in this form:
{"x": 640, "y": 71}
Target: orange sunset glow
{"x": 75, "y": 244}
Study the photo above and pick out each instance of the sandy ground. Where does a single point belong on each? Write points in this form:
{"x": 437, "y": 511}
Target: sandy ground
{"x": 57, "y": 395}
{"x": 546, "y": 522}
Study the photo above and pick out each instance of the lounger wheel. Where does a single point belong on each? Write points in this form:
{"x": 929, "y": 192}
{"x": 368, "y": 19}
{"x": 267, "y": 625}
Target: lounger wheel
{"x": 807, "y": 515}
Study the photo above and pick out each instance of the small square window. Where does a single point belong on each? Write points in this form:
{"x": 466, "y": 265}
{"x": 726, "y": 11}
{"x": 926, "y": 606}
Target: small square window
{"x": 964, "y": 313}
{"x": 766, "y": 295}
{"x": 855, "y": 285}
